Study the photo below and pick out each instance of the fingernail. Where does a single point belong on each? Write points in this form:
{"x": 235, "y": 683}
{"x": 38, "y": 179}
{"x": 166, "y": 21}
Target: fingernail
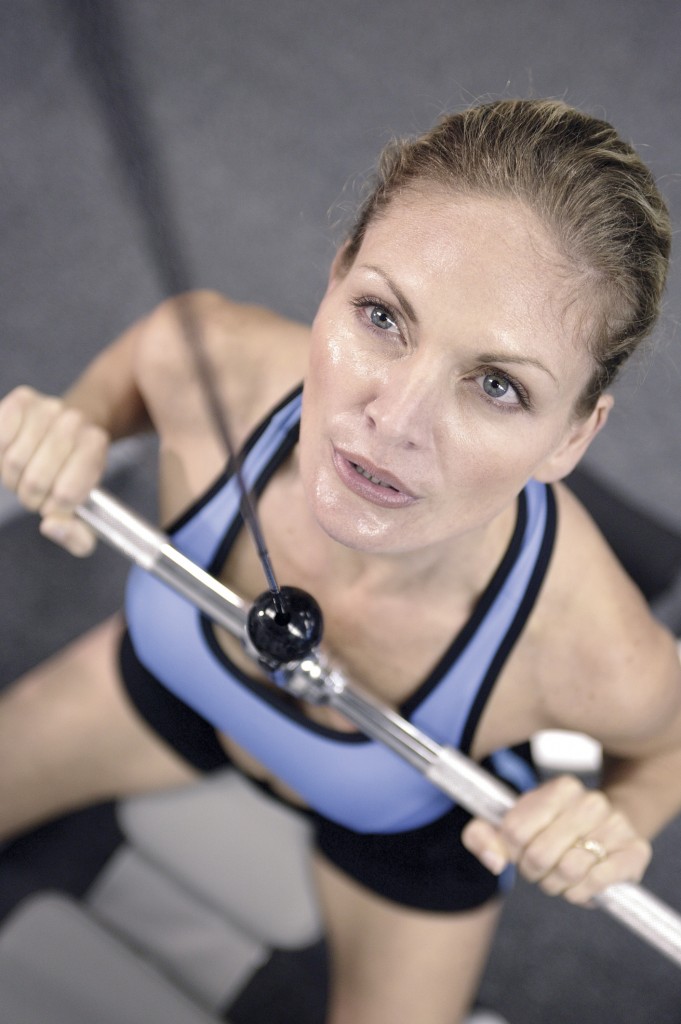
{"x": 494, "y": 862}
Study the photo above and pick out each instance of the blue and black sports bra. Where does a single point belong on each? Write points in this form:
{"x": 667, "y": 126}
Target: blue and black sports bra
{"x": 347, "y": 777}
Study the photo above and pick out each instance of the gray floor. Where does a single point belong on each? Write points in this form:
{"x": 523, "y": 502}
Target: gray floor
{"x": 267, "y": 115}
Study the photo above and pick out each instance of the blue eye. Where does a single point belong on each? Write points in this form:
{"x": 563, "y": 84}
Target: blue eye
{"x": 502, "y": 389}
{"x": 496, "y": 386}
{"x": 381, "y": 318}
{"x": 376, "y": 315}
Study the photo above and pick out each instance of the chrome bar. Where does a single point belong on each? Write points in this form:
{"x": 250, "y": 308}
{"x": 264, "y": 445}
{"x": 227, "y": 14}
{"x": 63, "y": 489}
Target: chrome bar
{"x": 462, "y": 779}
{"x": 646, "y": 915}
{"x": 150, "y": 548}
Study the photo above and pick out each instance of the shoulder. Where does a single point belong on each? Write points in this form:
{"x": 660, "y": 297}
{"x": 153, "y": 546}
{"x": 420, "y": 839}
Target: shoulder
{"x": 253, "y": 356}
{"x": 604, "y": 665}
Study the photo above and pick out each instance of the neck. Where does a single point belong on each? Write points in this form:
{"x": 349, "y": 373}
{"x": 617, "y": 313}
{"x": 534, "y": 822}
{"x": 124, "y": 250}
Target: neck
{"x": 461, "y": 567}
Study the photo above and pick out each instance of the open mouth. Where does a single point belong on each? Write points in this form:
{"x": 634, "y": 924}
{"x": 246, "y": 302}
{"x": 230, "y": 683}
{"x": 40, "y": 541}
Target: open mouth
{"x": 373, "y": 479}
{"x": 376, "y": 485}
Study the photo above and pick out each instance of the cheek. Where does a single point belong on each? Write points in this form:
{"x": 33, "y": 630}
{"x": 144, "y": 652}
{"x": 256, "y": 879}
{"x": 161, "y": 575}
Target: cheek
{"x": 327, "y": 354}
{"x": 337, "y": 356}
{"x": 329, "y": 338}
{"x": 492, "y": 457}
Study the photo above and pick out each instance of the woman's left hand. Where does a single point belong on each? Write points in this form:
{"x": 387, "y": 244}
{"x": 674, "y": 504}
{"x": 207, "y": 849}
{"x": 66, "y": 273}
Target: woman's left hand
{"x": 568, "y": 839}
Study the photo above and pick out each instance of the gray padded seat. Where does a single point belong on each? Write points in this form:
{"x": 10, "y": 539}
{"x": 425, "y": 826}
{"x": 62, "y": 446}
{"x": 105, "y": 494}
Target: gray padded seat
{"x": 212, "y": 878}
{"x": 58, "y": 966}
{"x": 204, "y": 953}
{"x": 235, "y": 849}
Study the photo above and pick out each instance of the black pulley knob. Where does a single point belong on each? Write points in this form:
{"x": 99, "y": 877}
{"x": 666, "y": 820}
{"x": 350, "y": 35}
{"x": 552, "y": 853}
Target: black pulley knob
{"x": 284, "y": 627}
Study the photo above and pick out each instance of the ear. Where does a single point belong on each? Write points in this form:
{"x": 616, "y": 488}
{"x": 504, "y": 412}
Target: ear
{"x": 564, "y": 459}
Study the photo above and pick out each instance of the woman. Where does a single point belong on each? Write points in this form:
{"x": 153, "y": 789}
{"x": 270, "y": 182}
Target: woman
{"x": 500, "y": 272}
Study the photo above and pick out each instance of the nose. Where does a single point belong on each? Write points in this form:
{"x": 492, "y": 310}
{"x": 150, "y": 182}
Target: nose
{"x": 403, "y": 407}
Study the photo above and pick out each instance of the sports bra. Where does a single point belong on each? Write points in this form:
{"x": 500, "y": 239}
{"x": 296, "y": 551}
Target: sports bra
{"x": 345, "y": 776}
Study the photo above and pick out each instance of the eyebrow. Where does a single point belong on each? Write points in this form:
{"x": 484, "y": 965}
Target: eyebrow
{"x": 399, "y": 295}
{"x": 504, "y": 357}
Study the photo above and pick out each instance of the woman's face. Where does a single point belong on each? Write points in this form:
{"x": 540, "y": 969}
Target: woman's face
{"x": 444, "y": 369}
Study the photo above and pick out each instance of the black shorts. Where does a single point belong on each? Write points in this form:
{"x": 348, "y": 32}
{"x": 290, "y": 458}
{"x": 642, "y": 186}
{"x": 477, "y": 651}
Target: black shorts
{"x": 426, "y": 868}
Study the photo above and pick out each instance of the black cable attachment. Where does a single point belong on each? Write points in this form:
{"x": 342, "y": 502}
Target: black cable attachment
{"x": 282, "y": 639}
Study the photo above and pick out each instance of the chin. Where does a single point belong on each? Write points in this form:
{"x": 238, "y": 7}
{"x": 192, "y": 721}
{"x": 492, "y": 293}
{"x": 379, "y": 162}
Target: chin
{"x": 341, "y": 525}
{"x": 359, "y": 531}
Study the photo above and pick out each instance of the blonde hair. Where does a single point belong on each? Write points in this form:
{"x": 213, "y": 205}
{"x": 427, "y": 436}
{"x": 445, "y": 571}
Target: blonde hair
{"x": 589, "y": 187}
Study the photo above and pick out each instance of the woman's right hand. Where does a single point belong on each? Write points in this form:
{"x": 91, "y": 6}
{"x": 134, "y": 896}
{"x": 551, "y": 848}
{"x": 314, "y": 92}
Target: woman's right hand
{"x": 51, "y": 457}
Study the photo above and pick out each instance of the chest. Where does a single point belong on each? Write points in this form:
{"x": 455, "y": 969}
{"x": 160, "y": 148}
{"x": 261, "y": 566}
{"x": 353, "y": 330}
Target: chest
{"x": 397, "y": 643}
{"x": 388, "y": 642}
{"x": 399, "y": 646}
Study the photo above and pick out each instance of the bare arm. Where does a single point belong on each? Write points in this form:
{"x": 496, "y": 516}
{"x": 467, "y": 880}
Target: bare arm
{"x": 53, "y": 450}
{"x": 107, "y": 392}
{"x": 642, "y": 769}
{"x": 614, "y": 673}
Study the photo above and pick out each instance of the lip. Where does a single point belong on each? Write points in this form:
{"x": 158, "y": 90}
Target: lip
{"x": 344, "y": 463}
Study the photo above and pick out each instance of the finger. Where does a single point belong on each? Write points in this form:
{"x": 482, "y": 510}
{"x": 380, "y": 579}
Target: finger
{"x": 626, "y": 865}
{"x": 545, "y": 851}
{"x": 78, "y": 474}
{"x": 536, "y": 811}
{"x": 35, "y": 423}
{"x": 49, "y": 458}
{"x": 70, "y": 534}
{"x": 483, "y": 841}
{"x": 12, "y": 410}
{"x": 570, "y": 871}
{"x": 582, "y": 867}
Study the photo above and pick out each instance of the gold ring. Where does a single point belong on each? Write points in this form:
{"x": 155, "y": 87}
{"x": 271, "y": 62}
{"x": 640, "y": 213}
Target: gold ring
{"x": 592, "y": 846}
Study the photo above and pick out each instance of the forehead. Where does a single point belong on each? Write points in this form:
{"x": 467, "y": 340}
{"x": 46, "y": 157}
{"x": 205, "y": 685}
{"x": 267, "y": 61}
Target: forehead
{"x": 490, "y": 260}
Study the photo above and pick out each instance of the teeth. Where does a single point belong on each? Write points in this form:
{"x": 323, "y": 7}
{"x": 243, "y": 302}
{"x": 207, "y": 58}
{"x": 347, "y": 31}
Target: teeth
{"x": 374, "y": 479}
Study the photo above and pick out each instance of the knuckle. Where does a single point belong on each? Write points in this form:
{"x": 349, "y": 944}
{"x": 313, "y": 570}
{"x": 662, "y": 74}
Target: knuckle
{"x": 83, "y": 541}
{"x": 535, "y": 861}
{"x": 568, "y": 872}
{"x": 469, "y": 830}
{"x": 74, "y": 483}
{"x": 579, "y": 896}
{"x": 596, "y": 803}
{"x": 517, "y": 832}
{"x": 12, "y": 462}
{"x": 474, "y": 834}
{"x": 646, "y": 846}
{"x": 644, "y": 851}
{"x": 52, "y": 406}
{"x": 70, "y": 420}
{"x": 567, "y": 787}
{"x": 31, "y": 489}
{"x": 21, "y": 395}
{"x": 550, "y": 886}
{"x": 618, "y": 822}
{"x": 12, "y": 468}
{"x": 43, "y": 412}
{"x": 67, "y": 494}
